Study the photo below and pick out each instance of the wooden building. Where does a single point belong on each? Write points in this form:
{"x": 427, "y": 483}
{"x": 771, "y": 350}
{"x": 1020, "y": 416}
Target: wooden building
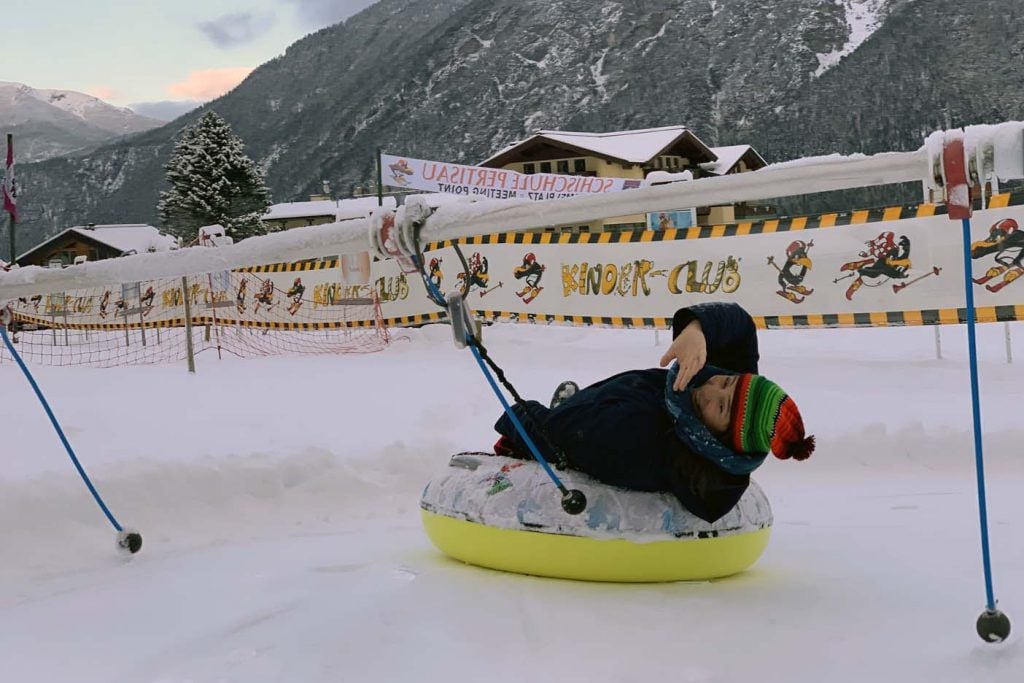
{"x": 95, "y": 243}
{"x": 670, "y": 151}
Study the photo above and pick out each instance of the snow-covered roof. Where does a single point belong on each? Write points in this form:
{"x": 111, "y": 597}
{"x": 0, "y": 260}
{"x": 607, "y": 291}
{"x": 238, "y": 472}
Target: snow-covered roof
{"x": 126, "y": 238}
{"x": 436, "y": 199}
{"x": 634, "y": 146}
{"x": 340, "y": 209}
{"x": 130, "y": 237}
{"x": 659, "y": 177}
{"x": 728, "y": 157}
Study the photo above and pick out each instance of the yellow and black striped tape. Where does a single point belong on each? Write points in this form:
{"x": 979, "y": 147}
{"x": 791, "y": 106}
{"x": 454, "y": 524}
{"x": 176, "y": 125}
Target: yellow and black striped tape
{"x": 939, "y": 316}
{"x": 317, "y": 264}
{"x": 198, "y": 321}
{"x": 788, "y": 224}
{"x": 943, "y": 316}
{"x": 768, "y": 226}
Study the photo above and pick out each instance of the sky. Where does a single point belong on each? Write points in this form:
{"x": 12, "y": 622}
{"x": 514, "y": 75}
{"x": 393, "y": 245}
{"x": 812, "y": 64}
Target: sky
{"x": 130, "y": 51}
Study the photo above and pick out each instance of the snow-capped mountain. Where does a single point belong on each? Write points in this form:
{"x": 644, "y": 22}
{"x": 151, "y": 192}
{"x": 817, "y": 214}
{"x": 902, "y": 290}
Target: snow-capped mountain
{"x": 459, "y": 79}
{"x": 48, "y": 123}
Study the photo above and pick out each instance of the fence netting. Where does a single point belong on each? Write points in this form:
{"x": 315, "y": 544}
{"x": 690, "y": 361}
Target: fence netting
{"x": 242, "y": 313}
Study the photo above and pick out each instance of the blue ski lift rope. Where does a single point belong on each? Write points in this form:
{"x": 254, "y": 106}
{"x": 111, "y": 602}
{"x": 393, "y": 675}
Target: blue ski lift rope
{"x": 128, "y": 540}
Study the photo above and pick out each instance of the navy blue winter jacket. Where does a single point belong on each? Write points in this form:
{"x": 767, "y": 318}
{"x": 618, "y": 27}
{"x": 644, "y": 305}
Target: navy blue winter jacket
{"x": 620, "y": 431}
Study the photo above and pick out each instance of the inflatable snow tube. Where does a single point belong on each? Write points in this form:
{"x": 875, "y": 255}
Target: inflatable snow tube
{"x": 506, "y": 514}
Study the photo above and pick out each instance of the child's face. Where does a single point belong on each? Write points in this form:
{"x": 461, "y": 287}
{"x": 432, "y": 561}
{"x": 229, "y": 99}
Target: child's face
{"x": 713, "y": 401}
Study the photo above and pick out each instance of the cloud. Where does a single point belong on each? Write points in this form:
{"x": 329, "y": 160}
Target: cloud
{"x": 103, "y": 92}
{"x": 320, "y": 13}
{"x": 208, "y": 84}
{"x": 237, "y": 28}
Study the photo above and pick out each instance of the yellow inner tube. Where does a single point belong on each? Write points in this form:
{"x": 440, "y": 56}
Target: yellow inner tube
{"x": 594, "y": 559}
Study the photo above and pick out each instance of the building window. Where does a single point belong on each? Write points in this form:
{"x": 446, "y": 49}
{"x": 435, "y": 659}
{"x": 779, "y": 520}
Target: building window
{"x": 529, "y": 169}
{"x": 545, "y": 167}
{"x": 579, "y": 165}
{"x": 563, "y": 166}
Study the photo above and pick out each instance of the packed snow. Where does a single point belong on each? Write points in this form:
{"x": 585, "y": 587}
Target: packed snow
{"x": 278, "y": 499}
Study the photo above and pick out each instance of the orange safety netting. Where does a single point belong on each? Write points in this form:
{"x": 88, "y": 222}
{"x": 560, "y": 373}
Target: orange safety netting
{"x": 237, "y": 313}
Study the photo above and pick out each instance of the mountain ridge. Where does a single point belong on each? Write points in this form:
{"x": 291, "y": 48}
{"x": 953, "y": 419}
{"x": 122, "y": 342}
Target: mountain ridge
{"x": 459, "y": 79}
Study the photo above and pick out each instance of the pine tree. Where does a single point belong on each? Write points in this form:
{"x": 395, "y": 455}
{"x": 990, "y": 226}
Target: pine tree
{"x": 212, "y": 181}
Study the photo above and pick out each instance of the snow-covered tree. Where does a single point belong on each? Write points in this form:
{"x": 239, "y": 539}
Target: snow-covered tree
{"x": 212, "y": 182}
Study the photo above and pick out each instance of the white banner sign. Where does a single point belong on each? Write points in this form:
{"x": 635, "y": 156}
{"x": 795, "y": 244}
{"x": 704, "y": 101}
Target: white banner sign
{"x": 493, "y": 183}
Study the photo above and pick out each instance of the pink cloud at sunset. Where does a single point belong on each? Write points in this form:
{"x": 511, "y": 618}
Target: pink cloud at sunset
{"x": 208, "y": 84}
{"x": 103, "y": 92}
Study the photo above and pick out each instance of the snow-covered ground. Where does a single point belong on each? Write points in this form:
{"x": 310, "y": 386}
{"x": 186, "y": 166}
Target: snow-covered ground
{"x": 278, "y": 499}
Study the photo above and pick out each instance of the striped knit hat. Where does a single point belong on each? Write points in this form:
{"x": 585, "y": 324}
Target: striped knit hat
{"x": 765, "y": 418}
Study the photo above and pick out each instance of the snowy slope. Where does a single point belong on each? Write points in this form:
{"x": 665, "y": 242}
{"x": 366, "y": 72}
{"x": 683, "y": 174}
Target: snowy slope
{"x": 863, "y": 17}
{"x": 90, "y": 109}
{"x": 48, "y": 123}
{"x": 278, "y": 499}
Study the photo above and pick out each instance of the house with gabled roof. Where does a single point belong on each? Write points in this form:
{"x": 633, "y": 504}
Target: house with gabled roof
{"x": 671, "y": 151}
{"x": 97, "y": 242}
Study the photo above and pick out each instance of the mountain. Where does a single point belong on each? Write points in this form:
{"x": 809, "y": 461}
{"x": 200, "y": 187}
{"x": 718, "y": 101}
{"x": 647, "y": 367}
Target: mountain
{"x": 165, "y": 110}
{"x": 50, "y": 123}
{"x": 459, "y": 79}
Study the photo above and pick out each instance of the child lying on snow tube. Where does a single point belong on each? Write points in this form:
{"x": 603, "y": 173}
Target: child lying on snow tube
{"x": 696, "y": 430}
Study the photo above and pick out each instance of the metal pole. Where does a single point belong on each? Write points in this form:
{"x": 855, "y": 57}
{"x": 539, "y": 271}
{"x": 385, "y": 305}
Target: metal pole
{"x": 13, "y": 221}
{"x": 380, "y": 181}
{"x": 1009, "y": 344}
{"x": 142, "y": 318}
{"x": 972, "y": 348}
{"x": 190, "y": 351}
{"x": 213, "y": 309}
{"x": 938, "y": 342}
{"x": 67, "y": 341}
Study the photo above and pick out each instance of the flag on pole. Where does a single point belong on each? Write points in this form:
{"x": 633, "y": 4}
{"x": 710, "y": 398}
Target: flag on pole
{"x": 10, "y": 189}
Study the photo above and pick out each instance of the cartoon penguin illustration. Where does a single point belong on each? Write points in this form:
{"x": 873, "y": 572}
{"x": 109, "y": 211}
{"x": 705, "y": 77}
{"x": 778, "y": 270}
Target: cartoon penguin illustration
{"x": 399, "y": 170}
{"x": 478, "y": 275}
{"x": 295, "y": 293}
{"x": 265, "y": 296}
{"x": 104, "y": 303}
{"x": 435, "y": 275}
{"x": 243, "y": 290}
{"x": 793, "y": 272}
{"x": 530, "y": 272}
{"x": 883, "y": 257}
{"x": 147, "y": 300}
{"x": 1006, "y": 241}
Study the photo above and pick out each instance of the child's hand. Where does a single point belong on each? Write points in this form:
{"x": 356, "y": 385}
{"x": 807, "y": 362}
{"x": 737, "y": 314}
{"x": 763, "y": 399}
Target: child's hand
{"x": 690, "y": 349}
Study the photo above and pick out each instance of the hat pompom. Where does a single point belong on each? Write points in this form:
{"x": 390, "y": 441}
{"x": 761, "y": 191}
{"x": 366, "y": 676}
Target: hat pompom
{"x": 802, "y": 449}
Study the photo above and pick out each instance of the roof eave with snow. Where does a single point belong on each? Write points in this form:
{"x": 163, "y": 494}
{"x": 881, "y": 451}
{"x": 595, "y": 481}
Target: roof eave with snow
{"x": 626, "y": 147}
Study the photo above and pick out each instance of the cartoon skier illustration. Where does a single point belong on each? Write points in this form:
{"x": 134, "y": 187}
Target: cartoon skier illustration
{"x": 530, "y": 272}
{"x": 435, "y": 275}
{"x": 399, "y": 170}
{"x": 884, "y": 257}
{"x": 265, "y": 296}
{"x": 793, "y": 271}
{"x": 243, "y": 291}
{"x": 478, "y": 275}
{"x": 295, "y": 293}
{"x": 1006, "y": 241}
{"x": 104, "y": 303}
{"x": 147, "y": 300}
